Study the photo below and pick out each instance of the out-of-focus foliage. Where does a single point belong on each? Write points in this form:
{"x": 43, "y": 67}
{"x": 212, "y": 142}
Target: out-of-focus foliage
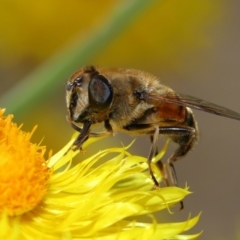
{"x": 33, "y": 30}
{"x": 36, "y": 29}
{"x": 164, "y": 34}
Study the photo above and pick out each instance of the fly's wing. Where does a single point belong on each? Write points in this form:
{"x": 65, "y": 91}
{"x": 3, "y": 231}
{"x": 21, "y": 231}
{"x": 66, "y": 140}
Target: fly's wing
{"x": 196, "y": 103}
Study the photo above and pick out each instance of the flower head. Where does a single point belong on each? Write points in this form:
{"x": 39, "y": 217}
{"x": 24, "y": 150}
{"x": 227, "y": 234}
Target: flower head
{"x": 90, "y": 200}
{"x": 23, "y": 170}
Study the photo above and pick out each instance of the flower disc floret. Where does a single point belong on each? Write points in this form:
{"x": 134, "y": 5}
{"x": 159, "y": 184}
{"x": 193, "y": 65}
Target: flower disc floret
{"x": 23, "y": 170}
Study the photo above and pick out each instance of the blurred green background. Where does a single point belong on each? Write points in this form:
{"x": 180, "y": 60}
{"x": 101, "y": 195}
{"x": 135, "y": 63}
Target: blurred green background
{"x": 193, "y": 46}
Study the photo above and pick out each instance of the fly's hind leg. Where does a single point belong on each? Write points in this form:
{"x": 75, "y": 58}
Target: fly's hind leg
{"x": 184, "y": 137}
{"x": 185, "y": 143}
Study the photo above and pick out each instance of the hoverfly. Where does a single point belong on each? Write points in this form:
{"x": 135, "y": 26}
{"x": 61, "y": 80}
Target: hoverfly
{"x": 135, "y": 102}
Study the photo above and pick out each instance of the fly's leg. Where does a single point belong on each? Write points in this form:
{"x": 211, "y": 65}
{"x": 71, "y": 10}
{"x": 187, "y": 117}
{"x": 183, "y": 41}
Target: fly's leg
{"x": 85, "y": 133}
{"x": 152, "y": 152}
{"x": 184, "y": 137}
{"x": 108, "y": 132}
{"x": 82, "y": 137}
{"x": 159, "y": 164}
{"x": 185, "y": 143}
{"x": 156, "y": 151}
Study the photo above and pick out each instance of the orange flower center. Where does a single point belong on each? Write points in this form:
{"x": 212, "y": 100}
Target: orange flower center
{"x": 23, "y": 169}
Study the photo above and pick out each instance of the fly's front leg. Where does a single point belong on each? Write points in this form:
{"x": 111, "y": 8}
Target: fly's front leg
{"x": 108, "y": 131}
{"x": 83, "y": 136}
{"x": 85, "y": 133}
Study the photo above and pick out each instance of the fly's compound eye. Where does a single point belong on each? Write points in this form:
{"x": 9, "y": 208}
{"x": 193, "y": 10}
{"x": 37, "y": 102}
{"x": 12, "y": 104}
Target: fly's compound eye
{"x": 100, "y": 93}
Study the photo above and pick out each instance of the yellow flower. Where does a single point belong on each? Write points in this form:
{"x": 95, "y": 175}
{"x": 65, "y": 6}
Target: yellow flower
{"x": 54, "y": 200}
{"x": 23, "y": 170}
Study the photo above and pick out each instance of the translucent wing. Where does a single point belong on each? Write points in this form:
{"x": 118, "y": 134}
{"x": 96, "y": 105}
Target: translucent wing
{"x": 196, "y": 103}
